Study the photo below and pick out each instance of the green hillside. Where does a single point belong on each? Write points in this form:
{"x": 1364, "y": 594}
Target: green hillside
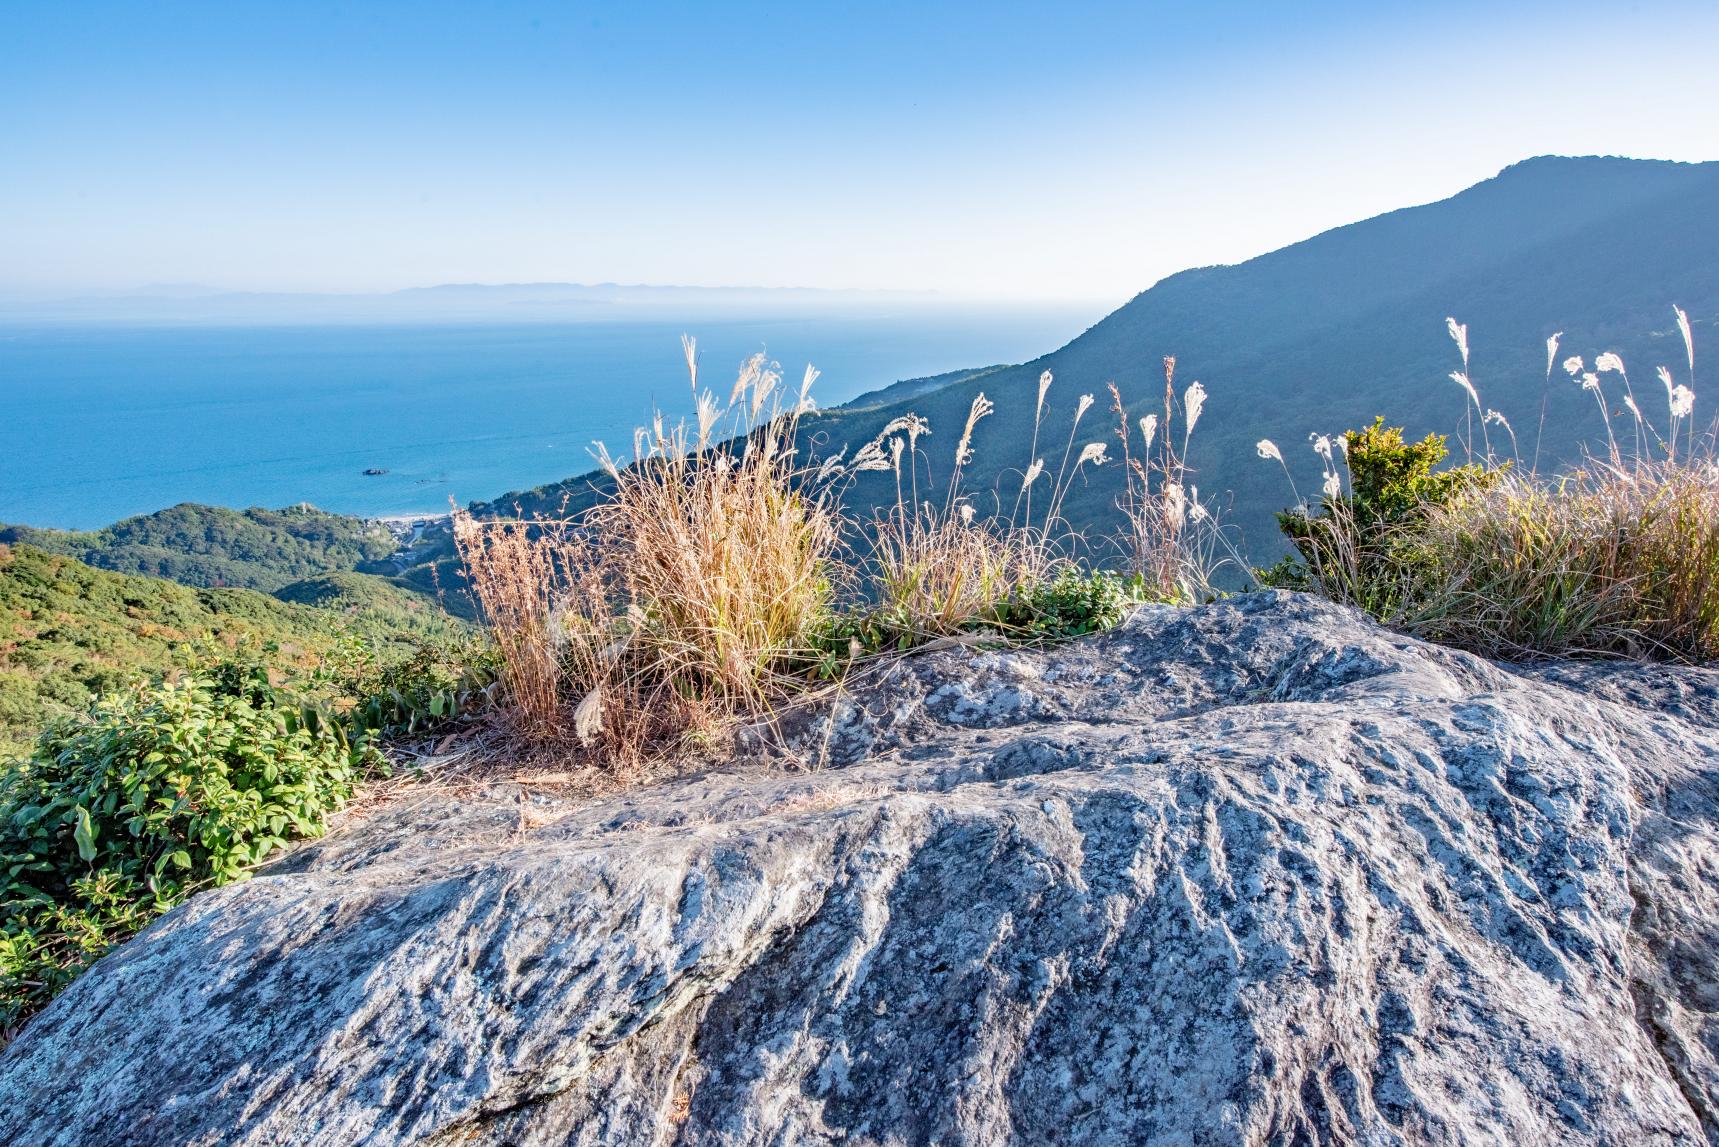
{"x": 67, "y": 629}
{"x": 211, "y": 546}
{"x": 1327, "y": 333}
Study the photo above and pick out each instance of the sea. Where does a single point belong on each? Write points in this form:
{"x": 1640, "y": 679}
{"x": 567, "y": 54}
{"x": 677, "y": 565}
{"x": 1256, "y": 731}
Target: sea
{"x": 101, "y": 422}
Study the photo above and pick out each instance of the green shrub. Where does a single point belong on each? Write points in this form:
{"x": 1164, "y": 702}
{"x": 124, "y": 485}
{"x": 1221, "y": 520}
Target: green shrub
{"x": 1072, "y": 603}
{"x": 122, "y": 812}
{"x": 1361, "y": 547}
{"x": 437, "y": 682}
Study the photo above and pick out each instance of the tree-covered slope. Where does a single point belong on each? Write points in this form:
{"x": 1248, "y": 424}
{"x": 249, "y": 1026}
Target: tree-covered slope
{"x": 211, "y": 546}
{"x": 68, "y": 630}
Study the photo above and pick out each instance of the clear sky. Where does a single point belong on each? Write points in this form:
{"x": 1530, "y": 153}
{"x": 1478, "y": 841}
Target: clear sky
{"x": 1075, "y": 150}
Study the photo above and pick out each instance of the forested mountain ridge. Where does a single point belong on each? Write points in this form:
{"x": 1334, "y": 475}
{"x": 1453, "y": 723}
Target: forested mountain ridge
{"x": 212, "y": 546}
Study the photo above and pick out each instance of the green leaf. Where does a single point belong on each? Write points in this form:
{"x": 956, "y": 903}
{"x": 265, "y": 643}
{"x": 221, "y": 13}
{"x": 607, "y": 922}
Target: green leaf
{"x": 85, "y": 834}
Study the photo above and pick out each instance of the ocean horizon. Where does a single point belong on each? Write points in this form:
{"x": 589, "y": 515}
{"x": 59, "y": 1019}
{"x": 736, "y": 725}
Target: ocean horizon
{"x": 105, "y": 421}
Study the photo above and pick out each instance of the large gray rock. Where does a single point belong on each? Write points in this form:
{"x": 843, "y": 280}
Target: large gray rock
{"x": 1253, "y": 873}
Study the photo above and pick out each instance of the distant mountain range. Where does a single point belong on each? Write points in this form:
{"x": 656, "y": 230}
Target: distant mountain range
{"x": 448, "y": 302}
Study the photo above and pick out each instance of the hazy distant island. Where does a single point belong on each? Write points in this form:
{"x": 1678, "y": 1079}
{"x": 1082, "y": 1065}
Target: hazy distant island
{"x": 442, "y": 303}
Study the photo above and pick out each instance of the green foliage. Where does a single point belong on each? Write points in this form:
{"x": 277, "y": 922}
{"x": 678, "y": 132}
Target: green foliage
{"x": 122, "y": 812}
{"x": 68, "y": 631}
{"x": 438, "y": 682}
{"x": 1070, "y": 603}
{"x": 1360, "y": 546}
{"x": 211, "y": 546}
{"x": 1392, "y": 479}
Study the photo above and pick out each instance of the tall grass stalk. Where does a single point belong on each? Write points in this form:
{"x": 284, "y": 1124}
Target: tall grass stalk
{"x": 1170, "y": 538}
{"x": 683, "y": 592}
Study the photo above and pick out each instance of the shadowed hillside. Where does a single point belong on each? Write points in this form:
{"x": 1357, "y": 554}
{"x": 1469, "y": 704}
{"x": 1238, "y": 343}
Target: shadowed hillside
{"x": 1329, "y": 332}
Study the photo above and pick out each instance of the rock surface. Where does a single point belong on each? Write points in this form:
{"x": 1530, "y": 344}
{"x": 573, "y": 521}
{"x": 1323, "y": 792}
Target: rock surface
{"x": 1255, "y": 873}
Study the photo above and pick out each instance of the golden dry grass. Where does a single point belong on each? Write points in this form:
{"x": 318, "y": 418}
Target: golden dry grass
{"x": 1611, "y": 559}
{"x": 709, "y": 583}
{"x": 673, "y": 604}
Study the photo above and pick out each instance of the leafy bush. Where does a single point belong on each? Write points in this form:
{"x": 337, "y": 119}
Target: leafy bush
{"x": 438, "y": 681}
{"x": 1361, "y": 547}
{"x": 122, "y": 812}
{"x": 1069, "y": 602}
{"x": 1073, "y": 603}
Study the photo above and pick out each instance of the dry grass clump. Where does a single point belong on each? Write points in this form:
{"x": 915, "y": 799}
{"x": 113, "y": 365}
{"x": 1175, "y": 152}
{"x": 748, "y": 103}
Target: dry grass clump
{"x": 941, "y": 568}
{"x": 1170, "y": 538}
{"x": 520, "y": 575}
{"x": 726, "y": 553}
{"x": 1619, "y": 556}
{"x": 1618, "y": 560}
{"x": 938, "y": 569}
{"x": 938, "y": 574}
{"x": 675, "y": 602}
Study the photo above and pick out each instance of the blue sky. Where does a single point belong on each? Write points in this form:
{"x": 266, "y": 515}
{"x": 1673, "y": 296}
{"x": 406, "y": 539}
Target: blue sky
{"x": 1061, "y": 150}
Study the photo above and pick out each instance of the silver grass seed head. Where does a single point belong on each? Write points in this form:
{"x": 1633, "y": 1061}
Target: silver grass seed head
{"x": 1193, "y": 401}
{"x": 1688, "y": 339}
{"x": 1459, "y": 335}
{"x": 1092, "y": 452}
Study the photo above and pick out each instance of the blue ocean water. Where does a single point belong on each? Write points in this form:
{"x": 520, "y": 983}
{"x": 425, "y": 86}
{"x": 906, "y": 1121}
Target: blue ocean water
{"x": 101, "y": 422}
